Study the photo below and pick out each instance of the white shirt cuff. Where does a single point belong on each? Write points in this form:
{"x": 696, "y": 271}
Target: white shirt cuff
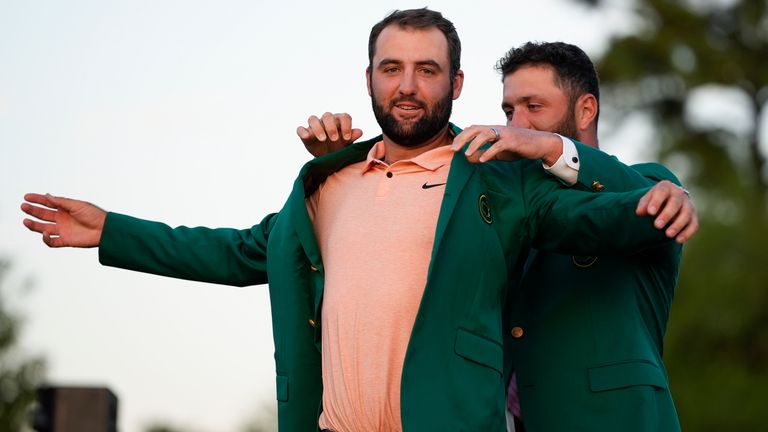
{"x": 566, "y": 168}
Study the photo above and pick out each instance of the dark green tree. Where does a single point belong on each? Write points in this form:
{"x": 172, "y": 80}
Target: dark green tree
{"x": 717, "y": 342}
{"x": 19, "y": 377}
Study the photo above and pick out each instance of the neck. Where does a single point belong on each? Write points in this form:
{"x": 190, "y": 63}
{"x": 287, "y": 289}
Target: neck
{"x": 395, "y": 152}
{"x": 589, "y": 138}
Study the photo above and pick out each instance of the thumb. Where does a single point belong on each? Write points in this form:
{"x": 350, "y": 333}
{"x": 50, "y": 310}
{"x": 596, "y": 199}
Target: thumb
{"x": 642, "y": 205}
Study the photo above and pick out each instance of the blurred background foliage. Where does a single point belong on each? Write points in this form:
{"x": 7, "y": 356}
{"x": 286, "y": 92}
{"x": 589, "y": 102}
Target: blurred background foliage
{"x": 20, "y": 374}
{"x": 682, "y": 54}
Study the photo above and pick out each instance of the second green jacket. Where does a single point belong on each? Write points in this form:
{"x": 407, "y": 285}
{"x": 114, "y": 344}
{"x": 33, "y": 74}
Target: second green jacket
{"x": 585, "y": 333}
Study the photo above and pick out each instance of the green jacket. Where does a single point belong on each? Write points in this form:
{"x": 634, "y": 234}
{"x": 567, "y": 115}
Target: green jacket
{"x": 585, "y": 333}
{"x": 452, "y": 376}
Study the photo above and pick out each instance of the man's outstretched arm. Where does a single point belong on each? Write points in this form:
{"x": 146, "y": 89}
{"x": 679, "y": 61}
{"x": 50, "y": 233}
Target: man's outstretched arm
{"x": 223, "y": 255}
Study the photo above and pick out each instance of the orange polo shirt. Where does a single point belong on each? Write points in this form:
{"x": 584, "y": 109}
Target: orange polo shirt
{"x": 375, "y": 225}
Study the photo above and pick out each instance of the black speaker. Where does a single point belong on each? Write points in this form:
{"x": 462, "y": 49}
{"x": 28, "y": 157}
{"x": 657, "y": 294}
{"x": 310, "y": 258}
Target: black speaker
{"x": 75, "y": 409}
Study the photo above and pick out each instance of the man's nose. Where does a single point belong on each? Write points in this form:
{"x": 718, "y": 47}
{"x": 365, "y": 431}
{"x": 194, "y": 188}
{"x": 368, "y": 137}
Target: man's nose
{"x": 408, "y": 83}
{"x": 519, "y": 121}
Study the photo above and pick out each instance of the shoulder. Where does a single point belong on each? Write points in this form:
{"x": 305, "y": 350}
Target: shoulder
{"x": 505, "y": 175}
{"x": 656, "y": 171}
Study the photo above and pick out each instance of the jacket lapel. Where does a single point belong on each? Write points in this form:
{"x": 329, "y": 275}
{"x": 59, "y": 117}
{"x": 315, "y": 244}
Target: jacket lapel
{"x": 461, "y": 171}
{"x": 312, "y": 174}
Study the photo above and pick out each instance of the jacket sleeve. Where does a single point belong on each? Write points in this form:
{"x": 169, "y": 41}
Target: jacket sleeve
{"x": 600, "y": 171}
{"x": 575, "y": 221}
{"x": 615, "y": 176}
{"x": 656, "y": 172}
{"x": 222, "y": 255}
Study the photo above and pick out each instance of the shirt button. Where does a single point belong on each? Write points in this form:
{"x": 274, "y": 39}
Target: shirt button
{"x": 313, "y": 268}
{"x": 517, "y": 332}
{"x": 312, "y": 323}
{"x": 596, "y": 185}
{"x": 389, "y": 175}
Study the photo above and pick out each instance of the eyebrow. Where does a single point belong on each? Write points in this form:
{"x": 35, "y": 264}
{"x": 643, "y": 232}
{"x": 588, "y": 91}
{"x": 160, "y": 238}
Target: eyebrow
{"x": 527, "y": 98}
{"x": 389, "y": 61}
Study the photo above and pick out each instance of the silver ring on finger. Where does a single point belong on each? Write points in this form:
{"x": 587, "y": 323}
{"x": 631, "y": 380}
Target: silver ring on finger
{"x": 496, "y": 133}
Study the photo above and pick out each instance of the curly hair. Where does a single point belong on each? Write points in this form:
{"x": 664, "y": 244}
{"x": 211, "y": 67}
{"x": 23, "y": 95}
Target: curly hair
{"x": 574, "y": 71}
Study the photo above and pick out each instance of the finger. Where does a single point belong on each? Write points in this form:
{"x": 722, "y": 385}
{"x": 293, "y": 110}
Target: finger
{"x": 344, "y": 121}
{"x": 495, "y": 150}
{"x": 679, "y": 220}
{"x": 642, "y": 205}
{"x": 47, "y": 239}
{"x": 329, "y": 124}
{"x": 38, "y": 199}
{"x": 689, "y": 231}
{"x": 62, "y": 203}
{"x": 41, "y": 227}
{"x": 462, "y": 138}
{"x": 41, "y": 213}
{"x": 487, "y": 135}
{"x": 476, "y": 140}
{"x": 356, "y": 134}
{"x": 52, "y": 241}
{"x": 475, "y": 157}
{"x": 657, "y": 195}
{"x": 303, "y": 133}
{"x": 490, "y": 153}
{"x": 672, "y": 205}
{"x": 315, "y": 126}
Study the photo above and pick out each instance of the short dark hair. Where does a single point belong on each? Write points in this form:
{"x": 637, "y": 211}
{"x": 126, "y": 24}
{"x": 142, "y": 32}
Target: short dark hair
{"x": 420, "y": 19}
{"x": 574, "y": 71}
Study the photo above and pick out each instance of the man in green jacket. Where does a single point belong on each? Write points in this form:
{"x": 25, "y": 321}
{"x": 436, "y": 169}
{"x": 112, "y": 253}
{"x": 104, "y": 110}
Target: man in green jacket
{"x": 450, "y": 373}
{"x": 583, "y": 334}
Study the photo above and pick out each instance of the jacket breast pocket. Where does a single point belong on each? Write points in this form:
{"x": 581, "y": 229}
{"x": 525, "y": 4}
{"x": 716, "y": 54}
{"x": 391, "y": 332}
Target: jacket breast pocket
{"x": 630, "y": 373}
{"x": 479, "y": 350}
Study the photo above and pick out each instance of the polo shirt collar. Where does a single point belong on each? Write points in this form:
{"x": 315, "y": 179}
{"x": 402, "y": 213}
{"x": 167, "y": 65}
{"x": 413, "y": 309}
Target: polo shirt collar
{"x": 430, "y": 160}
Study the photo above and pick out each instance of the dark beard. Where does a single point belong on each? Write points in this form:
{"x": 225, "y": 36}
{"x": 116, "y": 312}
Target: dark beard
{"x": 435, "y": 119}
{"x": 567, "y": 126}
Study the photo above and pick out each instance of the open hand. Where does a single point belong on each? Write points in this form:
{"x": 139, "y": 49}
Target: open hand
{"x": 327, "y": 134}
{"x": 63, "y": 221}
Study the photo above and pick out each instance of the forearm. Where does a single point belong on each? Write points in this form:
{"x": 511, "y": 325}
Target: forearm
{"x": 224, "y": 256}
{"x": 600, "y": 171}
{"x": 577, "y": 222}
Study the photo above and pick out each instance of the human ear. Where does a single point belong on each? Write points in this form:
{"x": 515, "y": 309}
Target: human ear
{"x": 587, "y": 110}
{"x": 458, "y": 84}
